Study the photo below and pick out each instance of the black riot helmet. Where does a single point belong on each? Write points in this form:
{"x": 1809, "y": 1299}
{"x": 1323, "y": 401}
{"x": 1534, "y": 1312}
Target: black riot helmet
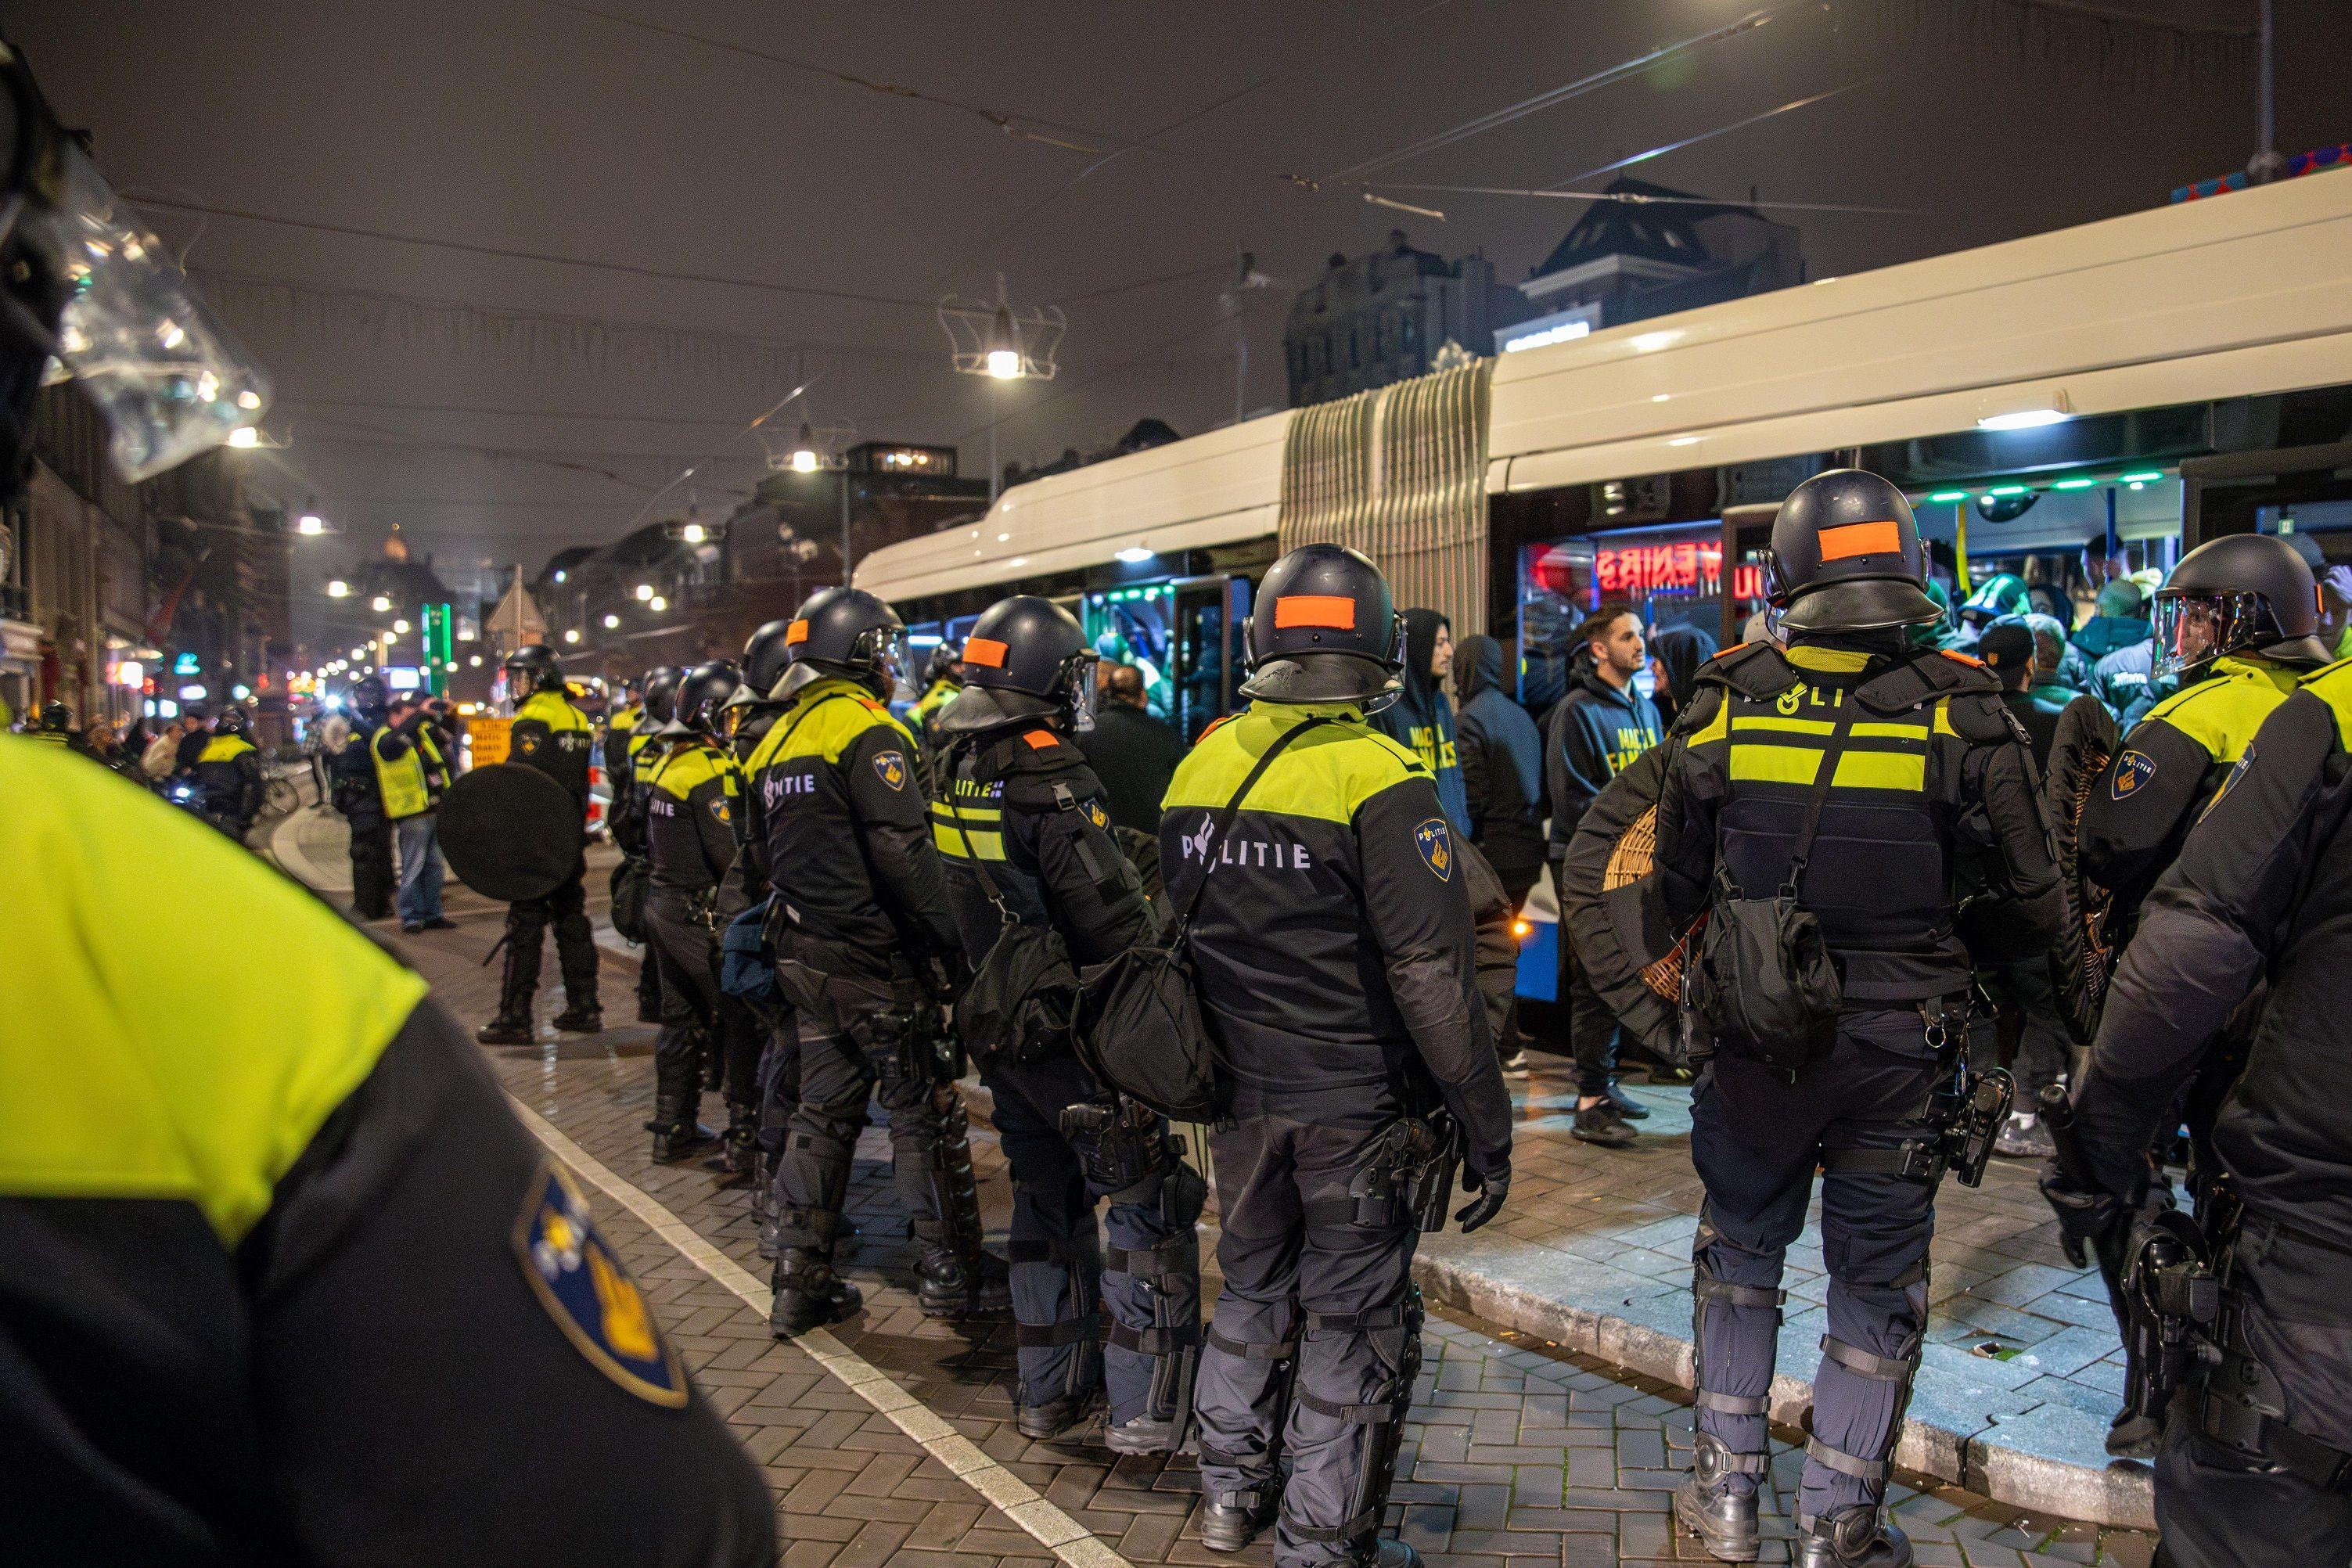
{"x": 659, "y": 685}
{"x": 1026, "y": 657}
{"x": 2250, "y": 593}
{"x": 1847, "y": 557}
{"x": 371, "y": 699}
{"x": 942, "y": 665}
{"x": 232, "y": 721}
{"x": 55, "y": 717}
{"x": 765, "y": 654}
{"x": 1324, "y": 629}
{"x": 699, "y": 695}
{"x": 533, "y": 667}
{"x": 844, "y": 632}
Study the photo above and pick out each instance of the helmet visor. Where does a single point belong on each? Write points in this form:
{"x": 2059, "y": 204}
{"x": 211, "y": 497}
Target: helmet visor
{"x": 2193, "y": 628}
{"x": 163, "y": 372}
{"x": 891, "y": 656}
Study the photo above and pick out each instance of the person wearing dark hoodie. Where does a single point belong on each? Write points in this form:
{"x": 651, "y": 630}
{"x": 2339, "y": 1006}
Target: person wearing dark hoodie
{"x": 1675, "y": 654}
{"x": 1422, "y": 719}
{"x": 1502, "y": 776}
{"x": 2119, "y": 621}
{"x": 1595, "y": 732}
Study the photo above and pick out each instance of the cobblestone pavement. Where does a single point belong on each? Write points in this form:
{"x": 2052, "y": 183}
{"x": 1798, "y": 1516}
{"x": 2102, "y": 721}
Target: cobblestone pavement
{"x": 1516, "y": 1452}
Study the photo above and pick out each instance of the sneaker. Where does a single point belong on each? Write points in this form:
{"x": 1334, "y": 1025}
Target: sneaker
{"x": 410, "y": 928}
{"x": 1604, "y": 1124}
{"x": 440, "y": 922}
{"x": 1516, "y": 1064}
{"x": 1629, "y": 1108}
{"x": 2022, "y": 1137}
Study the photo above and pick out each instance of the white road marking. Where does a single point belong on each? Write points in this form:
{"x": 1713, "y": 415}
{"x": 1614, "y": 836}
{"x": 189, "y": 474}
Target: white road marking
{"x": 1065, "y": 1537}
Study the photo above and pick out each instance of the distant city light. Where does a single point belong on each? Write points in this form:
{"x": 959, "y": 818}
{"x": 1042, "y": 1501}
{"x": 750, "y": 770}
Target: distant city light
{"x": 379, "y": 604}
{"x": 611, "y": 622}
{"x": 571, "y": 634}
{"x": 644, "y": 592}
{"x": 338, "y": 589}
{"x": 310, "y": 524}
{"x": 1564, "y": 332}
{"x": 692, "y": 533}
{"x": 656, "y": 603}
{"x": 400, "y": 627}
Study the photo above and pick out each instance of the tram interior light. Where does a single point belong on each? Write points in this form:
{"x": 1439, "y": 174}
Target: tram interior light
{"x": 1948, "y": 496}
{"x": 2076, "y": 484}
{"x": 2143, "y": 478}
{"x": 1136, "y": 555}
{"x": 2000, "y": 490}
{"x": 2024, "y": 419}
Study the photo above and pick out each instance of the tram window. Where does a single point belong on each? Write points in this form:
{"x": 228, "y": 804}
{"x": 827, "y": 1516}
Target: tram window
{"x": 1673, "y": 576}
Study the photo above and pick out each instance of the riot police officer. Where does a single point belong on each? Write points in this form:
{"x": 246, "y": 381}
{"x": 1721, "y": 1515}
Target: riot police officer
{"x": 1854, "y": 775}
{"x": 685, "y": 806}
{"x": 286, "y": 1279}
{"x": 550, "y": 734}
{"x": 625, "y": 735}
{"x": 357, "y": 792}
{"x": 866, "y": 950}
{"x": 745, "y": 719}
{"x": 2257, "y": 1452}
{"x": 2237, "y": 625}
{"x": 227, "y": 776}
{"x": 56, "y": 727}
{"x": 1332, "y": 946}
{"x": 941, "y": 681}
{"x": 1022, "y": 826}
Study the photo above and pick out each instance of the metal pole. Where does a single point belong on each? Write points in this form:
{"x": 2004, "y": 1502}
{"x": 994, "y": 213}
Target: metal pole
{"x": 2266, "y": 102}
{"x": 844, "y": 528}
{"x": 996, "y": 474}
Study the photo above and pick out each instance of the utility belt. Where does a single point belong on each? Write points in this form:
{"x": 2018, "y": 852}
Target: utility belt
{"x": 1411, "y": 1177}
{"x": 2188, "y": 1315}
{"x": 895, "y": 1021}
{"x": 1964, "y": 1110}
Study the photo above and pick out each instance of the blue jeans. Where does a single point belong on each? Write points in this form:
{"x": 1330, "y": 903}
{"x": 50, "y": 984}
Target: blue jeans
{"x": 420, "y": 868}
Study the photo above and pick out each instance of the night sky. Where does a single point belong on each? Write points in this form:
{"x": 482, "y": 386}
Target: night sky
{"x": 501, "y": 408}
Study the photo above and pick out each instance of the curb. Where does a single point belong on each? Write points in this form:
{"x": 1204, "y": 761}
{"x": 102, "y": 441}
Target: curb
{"x": 2033, "y": 1460}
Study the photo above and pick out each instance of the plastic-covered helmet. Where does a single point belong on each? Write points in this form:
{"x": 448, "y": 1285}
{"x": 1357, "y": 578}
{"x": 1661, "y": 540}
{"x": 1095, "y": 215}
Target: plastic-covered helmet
{"x": 700, "y": 694}
{"x": 1028, "y": 658}
{"x": 1324, "y": 629}
{"x": 765, "y": 654}
{"x": 232, "y": 721}
{"x": 659, "y": 685}
{"x": 2002, "y": 594}
{"x": 2249, "y": 593}
{"x": 534, "y": 667}
{"x": 56, "y": 716}
{"x": 371, "y": 699}
{"x": 1847, "y": 557}
{"x": 844, "y": 632}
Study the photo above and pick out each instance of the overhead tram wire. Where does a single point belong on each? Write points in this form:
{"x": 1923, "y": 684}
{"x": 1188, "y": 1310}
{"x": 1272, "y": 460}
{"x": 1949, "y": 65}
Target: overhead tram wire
{"x": 1794, "y": 104}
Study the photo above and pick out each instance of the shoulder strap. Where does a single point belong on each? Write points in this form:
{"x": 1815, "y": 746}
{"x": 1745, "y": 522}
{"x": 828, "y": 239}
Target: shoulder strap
{"x": 972, "y": 850}
{"x": 1819, "y": 797}
{"x": 803, "y": 718}
{"x": 1225, "y": 816}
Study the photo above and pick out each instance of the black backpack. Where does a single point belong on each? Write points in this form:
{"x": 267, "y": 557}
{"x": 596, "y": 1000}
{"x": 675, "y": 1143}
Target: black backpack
{"x": 1763, "y": 977}
{"x": 1141, "y": 1030}
{"x": 1018, "y": 1005}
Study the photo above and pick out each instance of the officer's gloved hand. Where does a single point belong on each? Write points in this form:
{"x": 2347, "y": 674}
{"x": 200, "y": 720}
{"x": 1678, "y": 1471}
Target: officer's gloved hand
{"x": 2084, "y": 1213}
{"x": 1491, "y": 1191}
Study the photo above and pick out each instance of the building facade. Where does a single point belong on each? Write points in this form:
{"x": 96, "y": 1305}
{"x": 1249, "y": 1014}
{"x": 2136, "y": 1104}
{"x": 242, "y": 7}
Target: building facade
{"x": 1383, "y": 317}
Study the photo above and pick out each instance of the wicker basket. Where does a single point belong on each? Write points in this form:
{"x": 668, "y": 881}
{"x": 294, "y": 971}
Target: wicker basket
{"x": 1630, "y": 861}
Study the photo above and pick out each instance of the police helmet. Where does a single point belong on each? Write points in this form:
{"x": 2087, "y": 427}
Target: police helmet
{"x": 533, "y": 667}
{"x": 699, "y": 695}
{"x": 2241, "y": 593}
{"x": 232, "y": 721}
{"x": 371, "y": 699}
{"x": 660, "y": 687}
{"x": 942, "y": 665}
{"x": 1028, "y": 658}
{"x": 1847, "y": 557}
{"x": 56, "y": 716}
{"x": 844, "y": 632}
{"x": 765, "y": 655}
{"x": 1324, "y": 629}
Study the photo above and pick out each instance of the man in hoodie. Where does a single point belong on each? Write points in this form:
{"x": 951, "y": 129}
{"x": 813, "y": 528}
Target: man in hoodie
{"x": 1421, "y": 720}
{"x": 1598, "y": 729}
{"x": 1502, "y": 777}
{"x": 2117, "y": 621}
{"x": 1675, "y": 654}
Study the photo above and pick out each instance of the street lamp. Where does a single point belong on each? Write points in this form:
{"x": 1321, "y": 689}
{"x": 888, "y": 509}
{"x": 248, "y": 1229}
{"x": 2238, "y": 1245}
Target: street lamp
{"x": 657, "y": 603}
{"x": 379, "y": 604}
{"x": 571, "y": 634}
{"x": 309, "y": 525}
{"x": 400, "y": 627}
{"x": 805, "y": 459}
{"x": 644, "y": 592}
{"x": 611, "y": 623}
{"x": 338, "y": 589}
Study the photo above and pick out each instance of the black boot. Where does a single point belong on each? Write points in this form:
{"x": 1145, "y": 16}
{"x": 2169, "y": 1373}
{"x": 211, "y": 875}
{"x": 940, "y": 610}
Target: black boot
{"x": 1043, "y": 1423}
{"x": 1230, "y": 1521}
{"x": 579, "y": 1019}
{"x": 503, "y": 1030}
{"x": 809, "y": 1294}
{"x": 740, "y": 1154}
{"x": 518, "y": 986}
{"x": 649, "y": 1007}
{"x": 1859, "y": 1536}
{"x": 676, "y": 1140}
{"x": 677, "y": 1127}
{"x": 1717, "y": 1504}
{"x": 949, "y": 1285}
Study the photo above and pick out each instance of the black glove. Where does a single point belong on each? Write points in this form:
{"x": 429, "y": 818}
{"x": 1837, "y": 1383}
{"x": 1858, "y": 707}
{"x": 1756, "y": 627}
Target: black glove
{"x": 1491, "y": 1191}
{"x": 2085, "y": 1215}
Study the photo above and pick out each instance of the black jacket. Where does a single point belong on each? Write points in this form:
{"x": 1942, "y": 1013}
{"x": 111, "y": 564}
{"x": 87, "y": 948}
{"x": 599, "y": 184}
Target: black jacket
{"x": 1679, "y": 652}
{"x": 1422, "y": 718}
{"x": 1502, "y": 764}
{"x": 1133, "y": 755}
{"x": 1595, "y": 732}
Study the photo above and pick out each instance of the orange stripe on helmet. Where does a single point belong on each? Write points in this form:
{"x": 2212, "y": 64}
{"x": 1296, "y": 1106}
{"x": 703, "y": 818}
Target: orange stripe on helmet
{"x": 796, "y": 634}
{"x": 1850, "y": 540}
{"x": 985, "y": 652}
{"x": 1334, "y": 610}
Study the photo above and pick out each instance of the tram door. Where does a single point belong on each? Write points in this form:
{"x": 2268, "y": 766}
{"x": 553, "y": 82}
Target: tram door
{"x": 1210, "y": 615}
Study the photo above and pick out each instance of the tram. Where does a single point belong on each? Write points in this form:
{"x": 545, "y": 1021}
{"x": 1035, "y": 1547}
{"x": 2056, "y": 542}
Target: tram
{"x": 2067, "y": 406}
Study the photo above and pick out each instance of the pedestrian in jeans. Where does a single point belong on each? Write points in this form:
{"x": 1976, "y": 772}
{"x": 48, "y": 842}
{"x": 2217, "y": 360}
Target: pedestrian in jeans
{"x": 410, "y": 769}
{"x": 1595, "y": 731}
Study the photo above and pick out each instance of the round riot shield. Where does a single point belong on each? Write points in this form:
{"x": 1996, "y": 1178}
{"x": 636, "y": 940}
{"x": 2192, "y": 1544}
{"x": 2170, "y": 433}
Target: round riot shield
{"x": 510, "y": 832}
{"x": 2084, "y": 957}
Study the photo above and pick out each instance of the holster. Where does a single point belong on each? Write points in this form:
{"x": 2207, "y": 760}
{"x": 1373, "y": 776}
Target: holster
{"x": 1411, "y": 1176}
{"x": 1119, "y": 1142}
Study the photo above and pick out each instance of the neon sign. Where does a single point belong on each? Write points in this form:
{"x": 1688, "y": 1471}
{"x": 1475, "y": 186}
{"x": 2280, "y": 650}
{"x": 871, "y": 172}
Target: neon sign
{"x": 1644, "y": 569}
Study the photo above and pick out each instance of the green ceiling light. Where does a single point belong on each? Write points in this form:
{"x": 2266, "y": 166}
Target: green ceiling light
{"x": 2073, "y": 484}
{"x": 2148, "y": 478}
{"x": 1949, "y": 496}
{"x": 2006, "y": 490}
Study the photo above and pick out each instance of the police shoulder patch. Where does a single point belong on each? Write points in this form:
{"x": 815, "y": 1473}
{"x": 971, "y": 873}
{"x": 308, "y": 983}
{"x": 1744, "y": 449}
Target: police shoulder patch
{"x": 526, "y": 743}
{"x": 890, "y": 767}
{"x": 578, "y": 1278}
{"x": 719, "y": 808}
{"x": 1435, "y": 842}
{"x": 2132, "y": 769}
{"x": 1096, "y": 814}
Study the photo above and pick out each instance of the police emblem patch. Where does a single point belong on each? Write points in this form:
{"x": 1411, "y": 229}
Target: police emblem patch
{"x": 2133, "y": 769}
{"x": 1095, "y": 812}
{"x": 719, "y": 809}
{"x": 578, "y": 1278}
{"x": 890, "y": 767}
{"x": 1436, "y": 843}
{"x": 527, "y": 744}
